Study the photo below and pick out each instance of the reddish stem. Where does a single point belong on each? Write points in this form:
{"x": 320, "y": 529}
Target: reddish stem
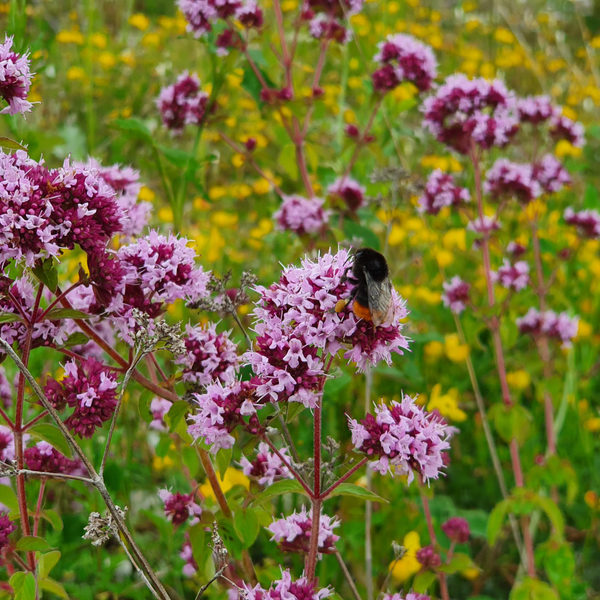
{"x": 35, "y": 420}
{"x": 344, "y": 477}
{"x": 288, "y": 465}
{"x": 361, "y": 141}
{"x": 38, "y": 508}
{"x": 6, "y": 418}
{"x": 57, "y": 300}
{"x": 287, "y": 59}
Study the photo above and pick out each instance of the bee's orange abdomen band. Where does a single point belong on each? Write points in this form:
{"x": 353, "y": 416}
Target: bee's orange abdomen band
{"x": 362, "y": 312}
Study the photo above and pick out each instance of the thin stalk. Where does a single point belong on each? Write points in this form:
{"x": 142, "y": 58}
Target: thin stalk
{"x": 57, "y": 300}
{"x": 7, "y": 419}
{"x": 433, "y": 540}
{"x": 38, "y": 506}
{"x": 368, "y": 503}
{"x": 344, "y": 477}
{"x": 347, "y": 575}
{"x": 290, "y": 468}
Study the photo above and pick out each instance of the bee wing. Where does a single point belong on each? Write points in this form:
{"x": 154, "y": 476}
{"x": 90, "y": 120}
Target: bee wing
{"x": 380, "y": 299}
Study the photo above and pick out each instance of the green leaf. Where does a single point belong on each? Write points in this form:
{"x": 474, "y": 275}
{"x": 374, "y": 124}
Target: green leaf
{"x": 9, "y": 498}
{"x": 553, "y": 513}
{"x": 459, "y": 562}
{"x": 133, "y": 128}
{"x": 590, "y": 197}
{"x": 496, "y": 519}
{"x": 177, "y": 412}
{"x": 53, "y": 518}
{"x": 351, "y": 489}
{"x": 52, "y": 586}
{"x": 246, "y": 526}
{"x": 24, "y": 586}
{"x": 11, "y": 144}
{"x": 76, "y": 339}
{"x": 191, "y": 460}
{"x": 47, "y": 562}
{"x": 293, "y": 410}
{"x": 46, "y": 272}
{"x": 532, "y": 589}
{"x": 67, "y": 313}
{"x": 511, "y": 422}
{"x": 51, "y": 434}
{"x": 9, "y": 317}
{"x": 287, "y": 160}
{"x": 285, "y": 486}
{"x": 423, "y": 581}
{"x": 31, "y": 543}
{"x": 334, "y": 385}
{"x": 179, "y": 158}
{"x": 352, "y": 229}
{"x": 223, "y": 459}
{"x": 198, "y": 542}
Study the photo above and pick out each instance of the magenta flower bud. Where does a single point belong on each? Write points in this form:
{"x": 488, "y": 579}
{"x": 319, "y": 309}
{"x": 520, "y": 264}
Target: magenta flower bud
{"x": 6, "y": 528}
{"x": 563, "y": 128}
{"x": 302, "y": 215}
{"x": 535, "y": 109}
{"x": 44, "y": 457}
{"x": 559, "y": 326}
{"x": 507, "y": 178}
{"x": 512, "y": 277}
{"x": 550, "y": 174}
{"x": 180, "y": 507}
{"x": 267, "y": 467}
{"x": 352, "y": 131}
{"x": 441, "y": 191}
{"x": 457, "y": 530}
{"x": 516, "y": 249}
{"x": 348, "y": 190}
{"x": 587, "y": 222}
{"x": 456, "y": 294}
{"x": 250, "y": 144}
{"x": 300, "y": 589}
{"x": 285, "y": 93}
{"x": 318, "y": 92}
{"x": 428, "y": 557}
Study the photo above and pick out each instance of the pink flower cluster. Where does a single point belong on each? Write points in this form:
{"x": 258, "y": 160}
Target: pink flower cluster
{"x": 15, "y": 79}
{"x": 190, "y": 568}
{"x": 44, "y": 211}
{"x": 550, "y": 174}
{"x": 90, "y": 390}
{"x": 403, "y": 438}
{"x": 220, "y": 410}
{"x": 266, "y": 467}
{"x": 328, "y": 18}
{"x": 293, "y": 533}
{"x": 180, "y": 507}
{"x": 210, "y": 356}
{"x": 466, "y": 111}
{"x": 563, "y": 128}
{"x": 348, "y": 190}
{"x": 7, "y": 444}
{"x": 440, "y": 191}
{"x": 285, "y": 588}
{"x": 428, "y": 557}
{"x": 535, "y": 109}
{"x": 297, "y": 325}
{"x": 559, "y": 326}
{"x": 302, "y": 215}
{"x": 515, "y": 277}
{"x": 325, "y": 27}
{"x": 484, "y": 225}
{"x": 125, "y": 183}
{"x": 5, "y": 390}
{"x": 202, "y": 14}
{"x": 587, "y": 221}
{"x": 404, "y": 58}
{"x": 506, "y": 178}
{"x": 44, "y": 457}
{"x": 456, "y": 294}
{"x": 182, "y": 103}
{"x": 159, "y": 407}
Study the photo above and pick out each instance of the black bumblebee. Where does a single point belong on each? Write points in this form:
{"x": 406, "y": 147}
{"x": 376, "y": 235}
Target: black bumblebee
{"x": 372, "y": 294}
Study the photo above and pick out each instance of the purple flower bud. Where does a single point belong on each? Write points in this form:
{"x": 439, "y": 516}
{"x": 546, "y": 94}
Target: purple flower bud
{"x": 301, "y": 589}
{"x": 456, "y": 294}
{"x": 507, "y": 178}
{"x": 559, "y": 326}
{"x": 428, "y": 557}
{"x": 350, "y": 191}
{"x": 267, "y": 467}
{"x": 180, "y": 507}
{"x": 440, "y": 191}
{"x": 6, "y": 528}
{"x": 515, "y": 277}
{"x": 587, "y": 222}
{"x": 43, "y": 457}
{"x": 457, "y": 530}
{"x": 302, "y": 215}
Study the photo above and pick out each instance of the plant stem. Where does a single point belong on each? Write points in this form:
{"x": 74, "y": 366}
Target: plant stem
{"x": 368, "y": 503}
{"x": 344, "y": 477}
{"x": 347, "y": 575}
{"x": 361, "y": 141}
{"x": 38, "y": 507}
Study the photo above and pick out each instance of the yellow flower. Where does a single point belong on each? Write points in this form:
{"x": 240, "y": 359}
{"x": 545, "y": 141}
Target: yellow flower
{"x": 261, "y": 186}
{"x": 584, "y": 330}
{"x": 224, "y": 219}
{"x": 231, "y": 478}
{"x": 471, "y": 573}
{"x": 433, "y": 350}
{"x": 504, "y": 36}
{"x": 593, "y": 424}
{"x": 146, "y": 194}
{"x": 289, "y": 5}
{"x": 107, "y": 60}
{"x": 139, "y": 21}
{"x": 98, "y": 40}
{"x": 151, "y": 40}
{"x": 75, "y": 74}
{"x": 519, "y": 380}
{"x": 397, "y": 235}
{"x": 165, "y": 214}
{"x": 444, "y": 258}
{"x": 446, "y": 404}
{"x": 217, "y": 192}
{"x": 72, "y": 36}
{"x": 564, "y": 148}
{"x": 487, "y": 70}
{"x": 160, "y": 463}
{"x": 237, "y": 160}
{"x": 455, "y": 351}
{"x": 404, "y": 568}
{"x": 591, "y": 499}
{"x": 455, "y": 239}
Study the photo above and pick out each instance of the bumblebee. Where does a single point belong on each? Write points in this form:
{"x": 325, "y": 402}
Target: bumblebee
{"x": 372, "y": 294}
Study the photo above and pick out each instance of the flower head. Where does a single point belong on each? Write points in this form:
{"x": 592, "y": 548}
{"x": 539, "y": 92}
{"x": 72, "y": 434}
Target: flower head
{"x": 409, "y": 596}
{"x": 550, "y": 174}
{"x": 210, "y": 356}
{"x": 6, "y": 528}
{"x": 293, "y": 533}
{"x": 182, "y": 103}
{"x": 465, "y": 111}
{"x": 507, "y": 178}
{"x": 159, "y": 407}
{"x": 457, "y": 529}
{"x": 15, "y": 79}
{"x": 559, "y": 326}
{"x": 348, "y": 190}
{"x": 515, "y": 277}
{"x": 563, "y": 128}
{"x": 44, "y": 457}
{"x": 456, "y": 294}
{"x": 190, "y": 568}
{"x": 535, "y": 109}
{"x": 404, "y": 58}
{"x": 180, "y": 507}
{"x": 302, "y": 215}
{"x": 266, "y": 467}
{"x": 5, "y": 390}
{"x": 403, "y": 438}
{"x": 428, "y": 557}
{"x": 440, "y": 191}
{"x": 586, "y": 221}
{"x": 89, "y": 388}
{"x": 220, "y": 410}
{"x": 301, "y": 589}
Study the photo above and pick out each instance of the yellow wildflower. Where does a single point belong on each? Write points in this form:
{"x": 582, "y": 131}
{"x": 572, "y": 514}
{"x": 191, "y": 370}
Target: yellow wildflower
{"x": 139, "y": 21}
{"x": 591, "y": 499}
{"x": 72, "y": 36}
{"x": 146, "y": 194}
{"x": 455, "y": 239}
{"x": 165, "y": 214}
{"x": 151, "y": 40}
{"x": 504, "y": 36}
{"x": 107, "y": 60}
{"x": 261, "y": 186}
{"x": 564, "y": 148}
{"x": 444, "y": 258}
{"x": 446, "y": 404}
{"x": 455, "y": 351}
{"x": 217, "y": 192}
{"x": 397, "y": 235}
{"x": 433, "y": 350}
{"x": 237, "y": 160}
{"x": 224, "y": 219}
{"x": 75, "y": 74}
{"x": 98, "y": 40}
{"x": 519, "y": 380}
{"x": 231, "y": 478}
{"x": 161, "y": 463}
{"x": 404, "y": 568}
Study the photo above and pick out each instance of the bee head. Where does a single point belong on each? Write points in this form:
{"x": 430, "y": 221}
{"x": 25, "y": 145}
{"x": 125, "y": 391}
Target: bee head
{"x": 372, "y": 261}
